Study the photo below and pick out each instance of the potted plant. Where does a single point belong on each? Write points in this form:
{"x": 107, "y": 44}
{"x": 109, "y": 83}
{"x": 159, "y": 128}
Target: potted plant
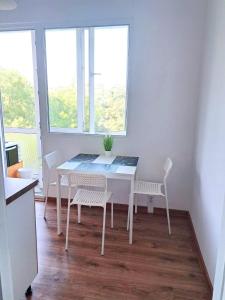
{"x": 108, "y": 143}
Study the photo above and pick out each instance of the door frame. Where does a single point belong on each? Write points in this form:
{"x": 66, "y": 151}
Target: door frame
{"x": 37, "y": 129}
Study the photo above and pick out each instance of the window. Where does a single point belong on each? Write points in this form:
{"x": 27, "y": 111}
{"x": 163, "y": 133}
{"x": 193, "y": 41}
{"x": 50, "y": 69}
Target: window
{"x": 17, "y": 79}
{"x": 87, "y": 79}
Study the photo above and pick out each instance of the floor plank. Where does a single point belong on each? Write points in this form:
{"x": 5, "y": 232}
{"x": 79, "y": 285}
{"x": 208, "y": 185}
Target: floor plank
{"x": 155, "y": 267}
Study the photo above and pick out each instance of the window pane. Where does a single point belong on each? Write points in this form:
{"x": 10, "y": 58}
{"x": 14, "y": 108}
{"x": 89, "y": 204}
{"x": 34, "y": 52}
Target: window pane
{"x": 62, "y": 77}
{"x": 16, "y": 79}
{"x": 110, "y": 70}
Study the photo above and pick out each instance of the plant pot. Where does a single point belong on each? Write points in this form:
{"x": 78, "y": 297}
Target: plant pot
{"x": 108, "y": 153}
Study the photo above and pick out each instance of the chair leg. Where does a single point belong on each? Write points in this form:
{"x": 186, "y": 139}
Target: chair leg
{"x": 136, "y": 204}
{"x": 150, "y": 205}
{"x": 79, "y": 212}
{"x": 67, "y": 224}
{"x": 46, "y": 201}
{"x": 103, "y": 230}
{"x": 112, "y": 214}
{"x": 168, "y": 215}
{"x": 128, "y": 217}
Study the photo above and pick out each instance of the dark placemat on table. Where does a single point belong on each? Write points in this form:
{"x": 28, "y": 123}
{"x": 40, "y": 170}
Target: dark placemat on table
{"x": 84, "y": 157}
{"x": 131, "y": 161}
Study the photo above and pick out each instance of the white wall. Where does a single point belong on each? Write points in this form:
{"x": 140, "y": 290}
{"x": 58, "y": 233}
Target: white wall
{"x": 209, "y": 175}
{"x": 165, "y": 51}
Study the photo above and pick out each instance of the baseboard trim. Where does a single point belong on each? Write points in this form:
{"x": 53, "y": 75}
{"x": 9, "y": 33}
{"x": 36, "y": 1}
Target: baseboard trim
{"x": 123, "y": 207}
{"x": 162, "y": 212}
{"x": 200, "y": 257}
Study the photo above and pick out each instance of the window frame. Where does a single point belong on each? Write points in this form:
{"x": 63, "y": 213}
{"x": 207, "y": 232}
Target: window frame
{"x": 80, "y": 130}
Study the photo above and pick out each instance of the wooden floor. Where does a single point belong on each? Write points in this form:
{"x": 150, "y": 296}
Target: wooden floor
{"x": 156, "y": 266}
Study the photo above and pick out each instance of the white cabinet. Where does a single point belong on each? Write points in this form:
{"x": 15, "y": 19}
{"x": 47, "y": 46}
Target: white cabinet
{"x": 21, "y": 225}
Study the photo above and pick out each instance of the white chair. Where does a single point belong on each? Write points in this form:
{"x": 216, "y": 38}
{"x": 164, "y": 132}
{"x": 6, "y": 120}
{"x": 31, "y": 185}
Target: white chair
{"x": 91, "y": 191}
{"x": 52, "y": 160}
{"x": 154, "y": 189}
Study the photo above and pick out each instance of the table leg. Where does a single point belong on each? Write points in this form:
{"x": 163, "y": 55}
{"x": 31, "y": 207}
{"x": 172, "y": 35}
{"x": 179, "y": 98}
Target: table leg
{"x": 58, "y": 205}
{"x": 131, "y": 210}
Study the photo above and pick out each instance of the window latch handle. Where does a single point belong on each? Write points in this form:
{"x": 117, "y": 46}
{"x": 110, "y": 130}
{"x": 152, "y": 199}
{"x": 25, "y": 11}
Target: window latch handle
{"x": 96, "y": 74}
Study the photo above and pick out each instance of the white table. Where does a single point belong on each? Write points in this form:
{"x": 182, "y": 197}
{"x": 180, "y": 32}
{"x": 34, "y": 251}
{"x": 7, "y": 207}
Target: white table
{"x": 115, "y": 167}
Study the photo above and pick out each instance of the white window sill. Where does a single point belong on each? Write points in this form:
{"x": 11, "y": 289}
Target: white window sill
{"x": 76, "y": 132}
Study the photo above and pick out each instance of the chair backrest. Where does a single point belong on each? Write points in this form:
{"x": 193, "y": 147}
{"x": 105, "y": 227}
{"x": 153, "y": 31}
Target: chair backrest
{"x": 87, "y": 180}
{"x": 52, "y": 159}
{"x": 167, "y": 168}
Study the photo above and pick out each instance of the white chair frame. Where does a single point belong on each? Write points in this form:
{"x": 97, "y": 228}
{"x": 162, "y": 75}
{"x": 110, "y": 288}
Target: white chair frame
{"x": 88, "y": 197}
{"x": 154, "y": 189}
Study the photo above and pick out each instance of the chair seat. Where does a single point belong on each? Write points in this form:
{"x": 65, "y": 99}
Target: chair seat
{"x": 91, "y": 198}
{"x": 64, "y": 181}
{"x": 148, "y": 188}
